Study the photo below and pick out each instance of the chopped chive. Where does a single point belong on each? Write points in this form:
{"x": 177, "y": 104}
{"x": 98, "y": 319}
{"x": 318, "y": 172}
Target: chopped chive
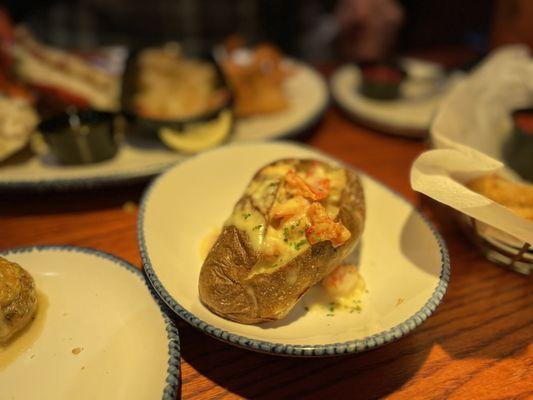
{"x": 355, "y": 309}
{"x": 295, "y": 225}
{"x": 257, "y": 227}
{"x": 246, "y": 215}
{"x": 298, "y": 245}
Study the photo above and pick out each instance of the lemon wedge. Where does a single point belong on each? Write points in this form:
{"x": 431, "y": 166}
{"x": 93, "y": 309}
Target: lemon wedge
{"x": 198, "y": 136}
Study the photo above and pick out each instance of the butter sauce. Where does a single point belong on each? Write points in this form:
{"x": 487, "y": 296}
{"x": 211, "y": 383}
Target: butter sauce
{"x": 323, "y": 302}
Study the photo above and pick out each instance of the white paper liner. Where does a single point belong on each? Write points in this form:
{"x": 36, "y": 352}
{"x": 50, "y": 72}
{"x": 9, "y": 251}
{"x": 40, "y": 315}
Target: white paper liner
{"x": 468, "y": 135}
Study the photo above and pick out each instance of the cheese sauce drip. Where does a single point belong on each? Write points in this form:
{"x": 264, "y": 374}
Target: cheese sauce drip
{"x": 274, "y": 209}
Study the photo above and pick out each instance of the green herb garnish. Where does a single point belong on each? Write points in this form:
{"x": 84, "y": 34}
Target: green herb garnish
{"x": 246, "y": 215}
{"x": 285, "y": 234}
{"x": 257, "y": 227}
{"x": 295, "y": 225}
{"x": 298, "y": 245}
{"x": 355, "y": 309}
{"x": 329, "y": 315}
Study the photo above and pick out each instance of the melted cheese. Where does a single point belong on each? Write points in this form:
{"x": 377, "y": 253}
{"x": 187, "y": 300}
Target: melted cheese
{"x": 252, "y": 222}
{"x": 279, "y": 244}
{"x": 337, "y": 179}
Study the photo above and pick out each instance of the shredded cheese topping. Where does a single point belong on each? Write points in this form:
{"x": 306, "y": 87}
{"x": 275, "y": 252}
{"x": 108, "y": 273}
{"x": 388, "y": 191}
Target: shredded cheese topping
{"x": 288, "y": 207}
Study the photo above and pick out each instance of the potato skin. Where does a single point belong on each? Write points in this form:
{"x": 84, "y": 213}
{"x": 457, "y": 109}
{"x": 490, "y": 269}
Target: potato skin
{"x": 18, "y": 299}
{"x": 226, "y": 289}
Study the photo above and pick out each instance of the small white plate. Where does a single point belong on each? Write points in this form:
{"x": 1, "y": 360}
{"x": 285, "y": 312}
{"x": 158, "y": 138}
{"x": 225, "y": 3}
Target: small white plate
{"x": 402, "y": 258}
{"x": 406, "y": 116}
{"x": 308, "y": 97}
{"x": 99, "y": 307}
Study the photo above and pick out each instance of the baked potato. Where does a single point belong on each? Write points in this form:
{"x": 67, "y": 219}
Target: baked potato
{"x": 18, "y": 299}
{"x": 296, "y": 221}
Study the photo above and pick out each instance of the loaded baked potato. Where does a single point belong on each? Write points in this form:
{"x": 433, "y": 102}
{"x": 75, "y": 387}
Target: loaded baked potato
{"x": 296, "y": 221}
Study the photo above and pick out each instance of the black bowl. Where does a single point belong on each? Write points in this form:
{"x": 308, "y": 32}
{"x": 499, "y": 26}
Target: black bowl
{"x": 149, "y": 127}
{"x": 381, "y": 81}
{"x": 518, "y": 150}
{"x": 80, "y": 136}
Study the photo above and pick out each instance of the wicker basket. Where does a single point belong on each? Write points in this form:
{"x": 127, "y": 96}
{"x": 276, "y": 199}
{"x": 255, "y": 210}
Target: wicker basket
{"x": 498, "y": 246}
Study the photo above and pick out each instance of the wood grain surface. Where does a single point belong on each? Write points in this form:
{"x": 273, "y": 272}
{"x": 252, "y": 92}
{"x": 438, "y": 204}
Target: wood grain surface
{"x": 478, "y": 344}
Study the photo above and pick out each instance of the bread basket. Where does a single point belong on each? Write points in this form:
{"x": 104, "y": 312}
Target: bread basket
{"x": 468, "y": 137}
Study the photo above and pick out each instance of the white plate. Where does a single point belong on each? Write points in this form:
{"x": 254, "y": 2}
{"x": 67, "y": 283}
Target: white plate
{"x": 403, "y": 260}
{"x": 404, "y": 116}
{"x": 137, "y": 159}
{"x": 101, "y": 305}
{"x": 308, "y": 97}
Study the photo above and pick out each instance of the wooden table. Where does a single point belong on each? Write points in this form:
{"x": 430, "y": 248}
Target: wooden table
{"x": 478, "y": 344}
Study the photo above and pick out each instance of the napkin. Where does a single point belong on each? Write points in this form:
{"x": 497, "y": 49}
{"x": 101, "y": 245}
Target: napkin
{"x": 468, "y": 134}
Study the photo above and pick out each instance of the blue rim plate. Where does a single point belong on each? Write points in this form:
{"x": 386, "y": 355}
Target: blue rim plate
{"x": 49, "y": 277}
{"x": 412, "y": 250}
{"x": 41, "y": 181}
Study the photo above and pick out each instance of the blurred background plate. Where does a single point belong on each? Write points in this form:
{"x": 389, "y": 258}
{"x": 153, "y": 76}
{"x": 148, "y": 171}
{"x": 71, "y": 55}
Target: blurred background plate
{"x": 308, "y": 97}
{"x": 140, "y": 158}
